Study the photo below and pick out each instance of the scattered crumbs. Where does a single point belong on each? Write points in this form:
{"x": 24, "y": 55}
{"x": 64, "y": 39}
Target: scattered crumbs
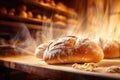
{"x": 93, "y": 67}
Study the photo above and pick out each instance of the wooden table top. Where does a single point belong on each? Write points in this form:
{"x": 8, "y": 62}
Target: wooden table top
{"x": 33, "y": 65}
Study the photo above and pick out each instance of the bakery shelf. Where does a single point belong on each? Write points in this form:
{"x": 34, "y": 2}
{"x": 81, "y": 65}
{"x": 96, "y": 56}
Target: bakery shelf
{"x": 20, "y": 19}
{"x": 33, "y": 22}
{"x": 49, "y": 8}
{"x": 30, "y": 26}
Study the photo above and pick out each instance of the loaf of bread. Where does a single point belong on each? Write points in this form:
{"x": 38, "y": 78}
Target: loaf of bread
{"x": 23, "y": 14}
{"x": 3, "y": 10}
{"x": 111, "y": 48}
{"x": 40, "y": 50}
{"x": 61, "y": 6}
{"x": 22, "y": 8}
{"x": 22, "y": 11}
{"x": 29, "y": 14}
{"x": 72, "y": 50}
{"x": 60, "y": 17}
{"x": 11, "y": 11}
{"x": 60, "y": 23}
{"x": 88, "y": 51}
{"x": 38, "y": 17}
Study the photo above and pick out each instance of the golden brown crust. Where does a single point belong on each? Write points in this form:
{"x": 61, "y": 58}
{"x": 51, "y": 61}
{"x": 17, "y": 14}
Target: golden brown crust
{"x": 57, "y": 50}
{"x": 40, "y": 50}
{"x": 23, "y": 14}
{"x": 30, "y": 14}
{"x": 3, "y": 10}
{"x": 11, "y": 11}
{"x": 66, "y": 50}
{"x": 89, "y": 51}
{"x": 111, "y": 49}
{"x": 60, "y": 17}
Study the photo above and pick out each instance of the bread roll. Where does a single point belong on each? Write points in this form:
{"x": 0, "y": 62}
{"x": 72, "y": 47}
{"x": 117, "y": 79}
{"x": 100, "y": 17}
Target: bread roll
{"x": 60, "y": 17}
{"x": 3, "y": 10}
{"x": 110, "y": 48}
{"x": 67, "y": 50}
{"x": 38, "y": 17}
{"x": 52, "y": 3}
{"x": 44, "y": 17}
{"x": 61, "y": 6}
{"x": 11, "y": 11}
{"x": 23, "y": 8}
{"x": 48, "y": 20}
{"x": 72, "y": 11}
{"x": 88, "y": 51}
{"x": 29, "y": 14}
{"x": 2, "y": 42}
{"x": 23, "y": 14}
{"x": 59, "y": 51}
{"x": 40, "y": 50}
{"x": 45, "y": 2}
{"x": 60, "y": 24}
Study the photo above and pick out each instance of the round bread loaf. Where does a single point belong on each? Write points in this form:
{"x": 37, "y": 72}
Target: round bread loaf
{"x": 29, "y": 14}
{"x": 60, "y": 51}
{"x": 40, "y": 49}
{"x": 111, "y": 49}
{"x": 88, "y": 51}
{"x": 3, "y": 10}
{"x": 23, "y": 14}
{"x": 11, "y": 11}
{"x": 23, "y": 8}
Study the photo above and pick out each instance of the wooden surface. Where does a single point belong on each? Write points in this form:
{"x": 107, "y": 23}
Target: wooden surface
{"x": 13, "y": 24}
{"x": 33, "y": 65}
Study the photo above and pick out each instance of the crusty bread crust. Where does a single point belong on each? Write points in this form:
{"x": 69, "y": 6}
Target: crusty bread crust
{"x": 41, "y": 49}
{"x": 111, "y": 49}
{"x": 71, "y": 50}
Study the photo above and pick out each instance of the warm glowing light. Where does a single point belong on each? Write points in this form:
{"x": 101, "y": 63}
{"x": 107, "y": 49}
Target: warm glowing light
{"x": 101, "y": 19}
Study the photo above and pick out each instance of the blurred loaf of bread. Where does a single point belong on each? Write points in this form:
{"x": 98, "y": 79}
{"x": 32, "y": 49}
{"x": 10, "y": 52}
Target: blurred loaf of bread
{"x": 3, "y": 10}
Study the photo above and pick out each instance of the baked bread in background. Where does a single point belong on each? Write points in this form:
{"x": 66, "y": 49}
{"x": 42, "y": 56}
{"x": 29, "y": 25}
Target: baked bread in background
{"x": 60, "y": 24}
{"x": 11, "y": 11}
{"x": 71, "y": 11}
{"x": 111, "y": 48}
{"x": 61, "y": 6}
{"x": 38, "y": 17}
{"x": 49, "y": 3}
{"x": 22, "y": 8}
{"x": 88, "y": 51}
{"x": 60, "y": 17}
{"x": 22, "y": 11}
{"x": 23, "y": 14}
{"x": 3, "y": 10}
{"x": 29, "y": 14}
{"x": 41, "y": 49}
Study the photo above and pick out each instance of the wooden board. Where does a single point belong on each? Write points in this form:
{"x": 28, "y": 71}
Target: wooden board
{"x": 33, "y": 65}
